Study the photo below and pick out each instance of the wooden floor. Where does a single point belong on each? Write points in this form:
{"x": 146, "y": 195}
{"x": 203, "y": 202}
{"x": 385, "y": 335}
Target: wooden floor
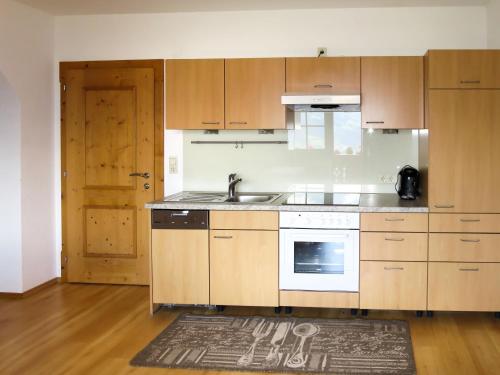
{"x": 92, "y": 329}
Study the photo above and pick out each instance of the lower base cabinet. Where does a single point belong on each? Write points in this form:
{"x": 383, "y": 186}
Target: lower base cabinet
{"x": 464, "y": 286}
{"x": 393, "y": 285}
{"x": 244, "y": 267}
{"x": 180, "y": 266}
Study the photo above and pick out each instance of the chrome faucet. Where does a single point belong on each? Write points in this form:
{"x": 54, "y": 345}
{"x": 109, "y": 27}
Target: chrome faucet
{"x": 232, "y": 185}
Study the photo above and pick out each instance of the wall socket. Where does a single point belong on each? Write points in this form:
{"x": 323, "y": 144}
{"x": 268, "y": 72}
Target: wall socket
{"x": 322, "y": 51}
{"x": 172, "y": 165}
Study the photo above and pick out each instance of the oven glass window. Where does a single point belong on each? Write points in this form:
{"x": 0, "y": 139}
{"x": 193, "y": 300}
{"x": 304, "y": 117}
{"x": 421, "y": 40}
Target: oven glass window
{"x": 319, "y": 257}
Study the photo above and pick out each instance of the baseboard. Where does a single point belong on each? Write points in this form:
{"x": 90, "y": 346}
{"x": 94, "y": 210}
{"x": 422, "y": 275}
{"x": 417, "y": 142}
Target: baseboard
{"x": 31, "y": 291}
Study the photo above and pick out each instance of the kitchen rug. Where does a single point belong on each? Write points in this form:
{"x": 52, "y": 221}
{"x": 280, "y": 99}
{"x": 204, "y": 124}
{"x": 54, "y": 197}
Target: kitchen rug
{"x": 282, "y": 344}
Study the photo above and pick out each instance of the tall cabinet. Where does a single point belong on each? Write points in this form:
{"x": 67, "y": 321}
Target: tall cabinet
{"x": 463, "y": 113}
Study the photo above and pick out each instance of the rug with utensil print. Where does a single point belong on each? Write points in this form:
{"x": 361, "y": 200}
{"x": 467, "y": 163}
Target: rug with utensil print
{"x": 282, "y": 344}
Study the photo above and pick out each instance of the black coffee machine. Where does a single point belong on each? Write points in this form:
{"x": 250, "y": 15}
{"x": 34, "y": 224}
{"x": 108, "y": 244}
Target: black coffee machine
{"x": 407, "y": 184}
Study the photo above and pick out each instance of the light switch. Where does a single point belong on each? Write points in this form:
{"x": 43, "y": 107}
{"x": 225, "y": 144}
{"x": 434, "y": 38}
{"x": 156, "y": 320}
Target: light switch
{"x": 172, "y": 165}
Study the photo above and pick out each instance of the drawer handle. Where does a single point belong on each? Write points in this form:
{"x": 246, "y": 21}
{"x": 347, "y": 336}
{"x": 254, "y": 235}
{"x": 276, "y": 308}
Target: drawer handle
{"x": 374, "y": 122}
{"x": 469, "y": 269}
{"x": 467, "y": 240}
{"x": 210, "y": 122}
{"x": 472, "y": 81}
{"x": 394, "y": 219}
{"x": 444, "y": 205}
{"x": 470, "y": 220}
{"x": 237, "y": 122}
{"x": 395, "y": 239}
{"x": 394, "y": 268}
{"x": 323, "y": 86}
{"x": 223, "y": 237}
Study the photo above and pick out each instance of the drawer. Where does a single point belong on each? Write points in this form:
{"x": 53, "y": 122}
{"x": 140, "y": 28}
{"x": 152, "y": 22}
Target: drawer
{"x": 464, "y": 286}
{"x": 340, "y": 300}
{"x": 393, "y": 285}
{"x": 393, "y": 246}
{"x": 460, "y": 247}
{"x": 264, "y": 220}
{"x": 464, "y": 223}
{"x": 394, "y": 222}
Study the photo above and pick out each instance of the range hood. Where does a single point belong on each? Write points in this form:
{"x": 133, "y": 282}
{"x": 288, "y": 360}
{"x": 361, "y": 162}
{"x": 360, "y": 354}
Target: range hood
{"x": 321, "y": 102}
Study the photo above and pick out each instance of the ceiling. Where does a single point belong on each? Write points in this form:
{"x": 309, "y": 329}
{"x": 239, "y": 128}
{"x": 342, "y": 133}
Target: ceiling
{"x": 80, "y": 7}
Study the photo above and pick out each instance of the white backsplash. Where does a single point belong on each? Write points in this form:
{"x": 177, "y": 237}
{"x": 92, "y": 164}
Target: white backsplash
{"x": 317, "y": 158}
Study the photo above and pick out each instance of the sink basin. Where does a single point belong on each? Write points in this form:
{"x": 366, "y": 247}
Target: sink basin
{"x": 253, "y": 198}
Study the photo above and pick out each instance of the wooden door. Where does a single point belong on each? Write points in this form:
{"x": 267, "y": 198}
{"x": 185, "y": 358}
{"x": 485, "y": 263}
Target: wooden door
{"x": 253, "y": 93}
{"x": 337, "y": 75}
{"x": 195, "y": 94}
{"x": 244, "y": 267}
{"x": 392, "y": 92}
{"x": 110, "y": 114}
{"x": 464, "y": 69}
{"x": 180, "y": 266}
{"x": 464, "y": 150}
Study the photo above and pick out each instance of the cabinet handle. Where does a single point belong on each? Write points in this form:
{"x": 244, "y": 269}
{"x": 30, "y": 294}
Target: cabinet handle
{"x": 469, "y": 269}
{"x": 472, "y": 81}
{"x": 374, "y": 122}
{"x": 470, "y": 220}
{"x": 467, "y": 240}
{"x": 323, "y": 86}
{"x": 444, "y": 205}
{"x": 394, "y": 268}
{"x": 237, "y": 122}
{"x": 394, "y": 219}
{"x": 210, "y": 122}
{"x": 223, "y": 237}
{"x": 395, "y": 239}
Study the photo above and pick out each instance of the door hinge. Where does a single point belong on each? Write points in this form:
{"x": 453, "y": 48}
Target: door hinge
{"x": 64, "y": 87}
{"x": 65, "y": 173}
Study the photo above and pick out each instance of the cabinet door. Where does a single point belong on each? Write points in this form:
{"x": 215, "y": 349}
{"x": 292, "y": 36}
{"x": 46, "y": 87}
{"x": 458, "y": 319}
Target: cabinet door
{"x": 339, "y": 75}
{"x": 393, "y": 285}
{"x": 253, "y": 93}
{"x": 464, "y": 286}
{"x": 464, "y": 69}
{"x": 244, "y": 267}
{"x": 180, "y": 266}
{"x": 464, "y": 150}
{"x": 392, "y": 92}
{"x": 195, "y": 94}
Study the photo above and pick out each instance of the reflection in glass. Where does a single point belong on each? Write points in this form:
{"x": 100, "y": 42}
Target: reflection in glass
{"x": 309, "y": 132}
{"x": 319, "y": 257}
{"x": 347, "y": 133}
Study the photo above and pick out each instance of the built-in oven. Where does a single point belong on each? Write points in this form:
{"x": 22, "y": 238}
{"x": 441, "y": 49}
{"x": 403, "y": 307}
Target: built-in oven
{"x": 319, "y": 251}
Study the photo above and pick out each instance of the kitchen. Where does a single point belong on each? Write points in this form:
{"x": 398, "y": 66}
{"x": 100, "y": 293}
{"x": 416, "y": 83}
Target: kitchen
{"x": 280, "y": 195}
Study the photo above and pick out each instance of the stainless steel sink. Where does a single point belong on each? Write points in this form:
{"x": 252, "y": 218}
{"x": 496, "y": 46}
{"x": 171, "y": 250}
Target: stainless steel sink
{"x": 253, "y": 198}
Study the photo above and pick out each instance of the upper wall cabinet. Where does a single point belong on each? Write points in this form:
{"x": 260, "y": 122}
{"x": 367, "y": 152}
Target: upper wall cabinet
{"x": 392, "y": 92}
{"x": 253, "y": 93}
{"x": 323, "y": 75}
{"x": 464, "y": 69}
{"x": 195, "y": 94}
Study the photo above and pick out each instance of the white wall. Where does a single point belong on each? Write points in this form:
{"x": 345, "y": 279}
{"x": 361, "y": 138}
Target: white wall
{"x": 493, "y": 14}
{"x": 10, "y": 195}
{"x": 27, "y": 61}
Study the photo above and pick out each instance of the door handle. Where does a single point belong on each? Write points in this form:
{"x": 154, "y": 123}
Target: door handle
{"x": 467, "y": 240}
{"x": 394, "y": 219}
{"x": 469, "y": 269}
{"x": 470, "y": 220}
{"x": 394, "y": 268}
{"x": 444, "y": 206}
{"x": 139, "y": 174}
{"x": 223, "y": 237}
{"x": 395, "y": 239}
{"x": 323, "y": 86}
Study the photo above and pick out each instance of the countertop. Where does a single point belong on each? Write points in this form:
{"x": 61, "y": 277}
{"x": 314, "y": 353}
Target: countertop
{"x": 367, "y": 203}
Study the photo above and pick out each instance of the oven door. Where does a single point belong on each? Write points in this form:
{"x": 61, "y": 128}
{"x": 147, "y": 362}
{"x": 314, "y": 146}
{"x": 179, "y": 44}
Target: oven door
{"x": 319, "y": 259}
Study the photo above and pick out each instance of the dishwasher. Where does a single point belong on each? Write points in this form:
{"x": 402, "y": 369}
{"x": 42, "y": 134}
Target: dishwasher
{"x": 179, "y": 257}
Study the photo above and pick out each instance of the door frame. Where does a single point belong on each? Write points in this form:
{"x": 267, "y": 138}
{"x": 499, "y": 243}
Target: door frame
{"x": 159, "y": 71}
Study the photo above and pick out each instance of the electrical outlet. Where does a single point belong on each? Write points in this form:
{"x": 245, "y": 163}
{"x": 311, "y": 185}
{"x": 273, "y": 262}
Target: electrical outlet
{"x": 322, "y": 51}
{"x": 172, "y": 165}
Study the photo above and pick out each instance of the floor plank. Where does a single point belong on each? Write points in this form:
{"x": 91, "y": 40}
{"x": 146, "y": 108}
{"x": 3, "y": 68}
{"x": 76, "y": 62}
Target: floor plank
{"x": 97, "y": 329}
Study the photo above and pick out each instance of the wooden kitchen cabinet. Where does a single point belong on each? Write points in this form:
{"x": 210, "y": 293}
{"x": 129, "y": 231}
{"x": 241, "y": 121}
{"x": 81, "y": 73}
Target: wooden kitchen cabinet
{"x": 393, "y": 285}
{"x": 244, "y": 267}
{"x": 394, "y": 222}
{"x": 464, "y": 151}
{"x": 463, "y": 69}
{"x": 464, "y": 247}
{"x": 392, "y": 92}
{"x": 195, "y": 94}
{"x": 253, "y": 93}
{"x": 393, "y": 246}
{"x": 340, "y": 75}
{"x": 464, "y": 286}
{"x": 180, "y": 270}
{"x": 264, "y": 220}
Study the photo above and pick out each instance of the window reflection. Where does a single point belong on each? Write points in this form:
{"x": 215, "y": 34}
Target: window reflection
{"x": 309, "y": 133}
{"x": 347, "y": 133}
